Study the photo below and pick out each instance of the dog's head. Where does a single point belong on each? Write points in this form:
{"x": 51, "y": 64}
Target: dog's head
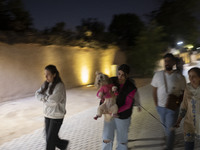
{"x": 101, "y": 79}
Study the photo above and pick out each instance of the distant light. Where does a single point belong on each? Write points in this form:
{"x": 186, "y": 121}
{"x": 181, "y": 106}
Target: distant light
{"x": 176, "y": 52}
{"x": 189, "y": 46}
{"x": 88, "y": 33}
{"x": 198, "y": 48}
{"x": 179, "y": 43}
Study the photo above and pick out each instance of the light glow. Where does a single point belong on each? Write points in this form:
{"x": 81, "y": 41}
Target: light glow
{"x": 180, "y": 43}
{"x": 113, "y": 70}
{"x": 189, "y": 46}
{"x": 84, "y": 74}
{"x": 107, "y": 71}
{"x": 84, "y": 64}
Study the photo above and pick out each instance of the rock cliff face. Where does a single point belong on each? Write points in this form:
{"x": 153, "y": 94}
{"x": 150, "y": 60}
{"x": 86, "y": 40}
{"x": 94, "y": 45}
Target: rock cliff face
{"x": 22, "y": 66}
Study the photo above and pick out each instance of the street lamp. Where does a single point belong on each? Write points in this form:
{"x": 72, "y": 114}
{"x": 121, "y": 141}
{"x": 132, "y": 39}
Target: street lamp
{"x": 179, "y": 43}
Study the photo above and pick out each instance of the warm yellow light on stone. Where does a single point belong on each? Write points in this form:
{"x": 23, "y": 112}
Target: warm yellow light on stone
{"x": 106, "y": 61}
{"x": 85, "y": 64}
{"x": 84, "y": 74}
{"x": 107, "y": 71}
{"x": 113, "y": 70}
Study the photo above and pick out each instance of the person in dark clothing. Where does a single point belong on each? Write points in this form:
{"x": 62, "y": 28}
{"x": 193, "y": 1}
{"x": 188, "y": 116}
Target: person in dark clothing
{"x": 127, "y": 98}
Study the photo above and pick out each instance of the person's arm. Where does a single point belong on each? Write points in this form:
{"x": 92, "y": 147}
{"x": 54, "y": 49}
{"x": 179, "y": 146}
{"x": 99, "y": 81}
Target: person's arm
{"x": 155, "y": 97}
{"x": 183, "y": 109}
{"x": 128, "y": 101}
{"x": 57, "y": 95}
{"x": 39, "y": 96}
{"x": 137, "y": 100}
{"x": 155, "y": 85}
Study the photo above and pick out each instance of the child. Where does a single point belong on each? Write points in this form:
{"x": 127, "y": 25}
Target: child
{"x": 190, "y": 109}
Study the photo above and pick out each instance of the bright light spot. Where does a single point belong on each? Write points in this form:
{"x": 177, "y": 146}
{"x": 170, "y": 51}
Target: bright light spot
{"x": 176, "y": 52}
{"x": 198, "y": 48}
{"x": 106, "y": 61}
{"x": 179, "y": 43}
{"x": 88, "y": 33}
{"x": 84, "y": 74}
{"x": 107, "y": 71}
{"x": 189, "y": 46}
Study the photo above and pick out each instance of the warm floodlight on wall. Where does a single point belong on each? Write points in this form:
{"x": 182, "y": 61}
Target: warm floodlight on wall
{"x": 84, "y": 74}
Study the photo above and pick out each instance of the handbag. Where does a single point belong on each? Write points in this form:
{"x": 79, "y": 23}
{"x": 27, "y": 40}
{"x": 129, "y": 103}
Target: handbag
{"x": 173, "y": 101}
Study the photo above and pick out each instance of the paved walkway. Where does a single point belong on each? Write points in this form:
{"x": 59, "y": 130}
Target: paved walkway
{"x": 84, "y": 133}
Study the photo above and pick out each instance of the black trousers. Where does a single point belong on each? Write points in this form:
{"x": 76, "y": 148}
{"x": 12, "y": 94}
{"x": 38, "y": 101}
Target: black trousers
{"x": 52, "y": 127}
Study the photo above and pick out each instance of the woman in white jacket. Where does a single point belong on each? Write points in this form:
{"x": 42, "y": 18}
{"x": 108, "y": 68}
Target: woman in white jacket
{"x": 53, "y": 95}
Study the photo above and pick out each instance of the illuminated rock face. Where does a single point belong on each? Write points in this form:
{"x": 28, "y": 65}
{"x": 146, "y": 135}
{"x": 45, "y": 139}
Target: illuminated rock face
{"x": 22, "y": 66}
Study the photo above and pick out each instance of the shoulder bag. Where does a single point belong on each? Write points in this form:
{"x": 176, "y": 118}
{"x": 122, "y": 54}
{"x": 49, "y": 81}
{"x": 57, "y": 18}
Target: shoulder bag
{"x": 173, "y": 101}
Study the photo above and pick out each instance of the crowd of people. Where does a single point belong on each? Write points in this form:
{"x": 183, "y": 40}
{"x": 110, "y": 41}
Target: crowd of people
{"x": 174, "y": 100}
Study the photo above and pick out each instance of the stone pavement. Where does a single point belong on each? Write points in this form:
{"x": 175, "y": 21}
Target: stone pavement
{"x": 84, "y": 133}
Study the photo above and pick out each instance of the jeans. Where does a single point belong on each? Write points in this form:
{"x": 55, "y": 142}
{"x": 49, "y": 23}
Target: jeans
{"x": 121, "y": 126}
{"x": 52, "y": 127}
{"x": 168, "y": 118}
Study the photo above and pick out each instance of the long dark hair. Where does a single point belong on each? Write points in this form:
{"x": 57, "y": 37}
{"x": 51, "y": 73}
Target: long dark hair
{"x": 56, "y": 80}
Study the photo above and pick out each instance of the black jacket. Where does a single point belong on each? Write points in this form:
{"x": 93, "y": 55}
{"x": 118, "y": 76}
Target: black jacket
{"x": 128, "y": 87}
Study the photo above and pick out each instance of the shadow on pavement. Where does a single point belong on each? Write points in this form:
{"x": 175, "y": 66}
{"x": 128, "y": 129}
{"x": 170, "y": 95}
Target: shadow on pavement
{"x": 147, "y": 139}
{"x": 179, "y": 141}
{"x": 160, "y": 143}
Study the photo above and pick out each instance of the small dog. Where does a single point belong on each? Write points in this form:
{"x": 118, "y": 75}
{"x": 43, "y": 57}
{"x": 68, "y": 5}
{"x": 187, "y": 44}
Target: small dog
{"x": 107, "y": 93}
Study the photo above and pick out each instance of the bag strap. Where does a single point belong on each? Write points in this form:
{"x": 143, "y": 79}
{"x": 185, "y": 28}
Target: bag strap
{"x": 165, "y": 81}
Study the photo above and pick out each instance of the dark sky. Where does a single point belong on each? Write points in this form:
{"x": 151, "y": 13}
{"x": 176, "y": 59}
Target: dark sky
{"x": 46, "y": 13}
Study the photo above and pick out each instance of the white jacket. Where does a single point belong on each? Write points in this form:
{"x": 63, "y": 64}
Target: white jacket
{"x": 54, "y": 104}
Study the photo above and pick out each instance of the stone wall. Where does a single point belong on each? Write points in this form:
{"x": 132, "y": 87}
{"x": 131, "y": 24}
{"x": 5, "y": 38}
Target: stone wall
{"x": 22, "y": 66}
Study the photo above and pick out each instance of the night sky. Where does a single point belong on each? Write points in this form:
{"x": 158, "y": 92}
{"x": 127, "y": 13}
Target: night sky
{"x": 46, "y": 13}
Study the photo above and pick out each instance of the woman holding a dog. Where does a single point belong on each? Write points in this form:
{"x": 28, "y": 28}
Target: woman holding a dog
{"x": 125, "y": 101}
{"x": 53, "y": 95}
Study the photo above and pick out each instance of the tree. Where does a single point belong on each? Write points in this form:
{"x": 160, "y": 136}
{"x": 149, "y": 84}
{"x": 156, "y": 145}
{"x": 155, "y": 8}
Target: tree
{"x": 58, "y": 28}
{"x": 178, "y": 19}
{"x": 4, "y": 15}
{"x": 147, "y": 51}
{"x": 90, "y": 29}
{"x": 126, "y": 28}
{"x": 57, "y": 34}
{"x": 13, "y": 16}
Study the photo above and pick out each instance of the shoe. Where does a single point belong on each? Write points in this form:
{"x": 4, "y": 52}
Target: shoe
{"x": 67, "y": 143}
{"x": 95, "y": 118}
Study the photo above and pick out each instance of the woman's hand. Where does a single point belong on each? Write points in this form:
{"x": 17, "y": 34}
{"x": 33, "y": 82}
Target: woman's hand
{"x": 177, "y": 124}
{"x": 115, "y": 116}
